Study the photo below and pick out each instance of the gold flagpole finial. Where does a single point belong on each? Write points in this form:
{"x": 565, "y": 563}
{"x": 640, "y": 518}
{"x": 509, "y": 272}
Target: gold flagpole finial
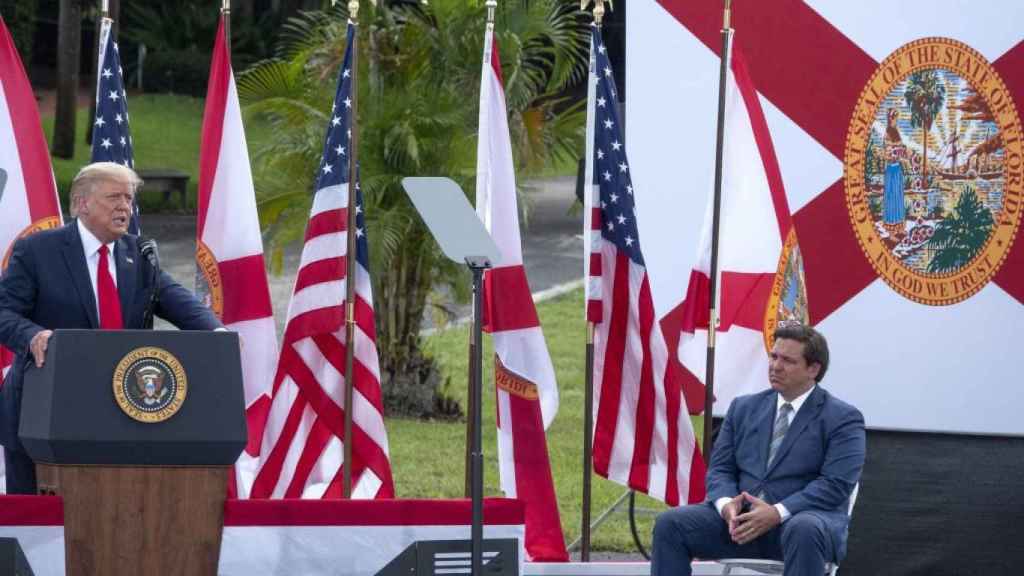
{"x": 726, "y": 17}
{"x": 353, "y": 10}
{"x": 599, "y": 10}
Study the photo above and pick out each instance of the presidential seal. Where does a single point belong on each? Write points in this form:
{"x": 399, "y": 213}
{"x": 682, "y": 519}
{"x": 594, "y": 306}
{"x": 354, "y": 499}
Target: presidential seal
{"x": 47, "y": 223}
{"x": 934, "y": 171}
{"x": 209, "y": 287}
{"x": 150, "y": 384}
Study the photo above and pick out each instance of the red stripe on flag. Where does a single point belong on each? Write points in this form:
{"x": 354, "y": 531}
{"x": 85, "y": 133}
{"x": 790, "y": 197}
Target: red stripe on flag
{"x": 764, "y": 143}
{"x": 790, "y": 31}
{"x": 596, "y": 218}
{"x": 515, "y": 311}
{"x": 327, "y": 222}
{"x": 639, "y": 474}
{"x": 744, "y": 298}
{"x": 326, "y": 270}
{"x": 698, "y": 491}
{"x": 363, "y": 380}
{"x": 270, "y": 469}
{"x": 695, "y": 309}
{"x": 328, "y": 319}
{"x": 32, "y": 150}
{"x": 835, "y": 267}
{"x": 316, "y": 441}
{"x": 213, "y": 123}
{"x": 534, "y": 484}
{"x": 611, "y": 380}
{"x": 246, "y": 295}
{"x": 693, "y": 389}
{"x": 496, "y": 61}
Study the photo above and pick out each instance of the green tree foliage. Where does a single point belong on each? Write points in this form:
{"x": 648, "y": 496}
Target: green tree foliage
{"x": 961, "y": 236}
{"x": 20, "y": 18}
{"x": 419, "y": 78}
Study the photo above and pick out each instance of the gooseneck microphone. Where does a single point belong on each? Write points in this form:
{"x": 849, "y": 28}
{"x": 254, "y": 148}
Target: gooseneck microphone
{"x": 149, "y": 251}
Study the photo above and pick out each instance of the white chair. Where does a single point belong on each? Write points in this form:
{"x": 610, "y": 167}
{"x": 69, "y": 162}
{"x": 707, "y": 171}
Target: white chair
{"x": 775, "y": 566}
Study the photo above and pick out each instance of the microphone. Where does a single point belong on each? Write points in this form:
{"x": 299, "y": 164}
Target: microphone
{"x": 148, "y": 249}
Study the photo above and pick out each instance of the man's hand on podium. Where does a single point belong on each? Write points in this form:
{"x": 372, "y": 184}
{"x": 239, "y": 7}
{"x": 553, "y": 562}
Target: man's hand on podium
{"x": 38, "y": 346}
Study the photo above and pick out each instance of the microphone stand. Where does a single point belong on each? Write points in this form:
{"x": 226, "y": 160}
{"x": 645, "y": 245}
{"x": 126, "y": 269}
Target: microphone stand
{"x": 149, "y": 250}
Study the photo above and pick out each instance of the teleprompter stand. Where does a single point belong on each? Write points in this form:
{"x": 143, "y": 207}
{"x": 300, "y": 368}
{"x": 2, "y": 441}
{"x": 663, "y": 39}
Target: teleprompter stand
{"x": 463, "y": 239}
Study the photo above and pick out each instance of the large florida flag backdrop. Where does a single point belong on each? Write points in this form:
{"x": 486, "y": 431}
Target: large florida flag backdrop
{"x": 231, "y": 277}
{"x": 898, "y": 137}
{"x": 28, "y": 194}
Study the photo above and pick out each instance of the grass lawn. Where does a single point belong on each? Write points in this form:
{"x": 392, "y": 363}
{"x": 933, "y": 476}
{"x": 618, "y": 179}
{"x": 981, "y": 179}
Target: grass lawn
{"x": 165, "y": 131}
{"x": 427, "y": 457}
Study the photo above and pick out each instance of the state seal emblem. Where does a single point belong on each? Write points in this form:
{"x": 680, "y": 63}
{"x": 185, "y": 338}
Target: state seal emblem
{"x": 150, "y": 384}
{"x": 934, "y": 171}
{"x": 209, "y": 286}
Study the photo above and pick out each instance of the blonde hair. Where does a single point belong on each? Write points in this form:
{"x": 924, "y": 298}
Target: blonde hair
{"x": 92, "y": 174}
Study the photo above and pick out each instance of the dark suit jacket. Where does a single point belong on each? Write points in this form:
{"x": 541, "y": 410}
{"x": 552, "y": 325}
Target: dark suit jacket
{"x": 815, "y": 469}
{"x": 47, "y": 286}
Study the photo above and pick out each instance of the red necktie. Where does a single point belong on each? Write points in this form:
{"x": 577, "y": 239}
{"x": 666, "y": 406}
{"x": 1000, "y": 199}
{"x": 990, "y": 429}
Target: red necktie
{"x": 106, "y": 292}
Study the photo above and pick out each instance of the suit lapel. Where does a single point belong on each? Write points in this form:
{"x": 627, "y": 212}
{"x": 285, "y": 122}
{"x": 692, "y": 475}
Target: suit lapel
{"x": 765, "y": 421}
{"x": 126, "y": 279}
{"x": 808, "y": 412}
{"x": 74, "y": 258}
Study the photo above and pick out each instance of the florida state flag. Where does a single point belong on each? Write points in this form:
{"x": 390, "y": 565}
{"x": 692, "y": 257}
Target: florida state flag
{"x": 28, "y": 195}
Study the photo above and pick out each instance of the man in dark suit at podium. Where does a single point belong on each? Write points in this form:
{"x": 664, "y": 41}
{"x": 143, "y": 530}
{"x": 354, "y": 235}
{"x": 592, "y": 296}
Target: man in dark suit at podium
{"x": 782, "y": 470}
{"x": 88, "y": 274}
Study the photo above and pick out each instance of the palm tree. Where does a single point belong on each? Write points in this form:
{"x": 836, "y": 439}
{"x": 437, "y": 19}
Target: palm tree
{"x": 418, "y": 84}
{"x": 926, "y": 95}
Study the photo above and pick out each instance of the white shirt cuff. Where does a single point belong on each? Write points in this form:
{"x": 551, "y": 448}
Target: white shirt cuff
{"x": 783, "y": 513}
{"x": 720, "y": 503}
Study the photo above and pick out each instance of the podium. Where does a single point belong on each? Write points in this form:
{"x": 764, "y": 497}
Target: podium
{"x": 137, "y": 430}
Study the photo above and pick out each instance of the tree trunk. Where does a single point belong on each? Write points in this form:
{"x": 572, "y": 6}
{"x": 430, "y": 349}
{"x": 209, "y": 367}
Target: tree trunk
{"x": 924, "y": 159}
{"x": 69, "y": 32}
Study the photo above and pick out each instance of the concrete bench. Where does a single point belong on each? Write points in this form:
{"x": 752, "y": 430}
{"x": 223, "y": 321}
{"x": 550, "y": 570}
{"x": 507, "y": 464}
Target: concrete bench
{"x": 166, "y": 180}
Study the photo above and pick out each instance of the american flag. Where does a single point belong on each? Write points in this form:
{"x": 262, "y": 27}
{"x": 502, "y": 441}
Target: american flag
{"x": 111, "y": 139}
{"x": 643, "y": 437}
{"x": 303, "y": 442}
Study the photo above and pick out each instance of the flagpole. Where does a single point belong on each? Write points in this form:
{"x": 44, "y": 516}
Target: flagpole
{"x": 588, "y": 394}
{"x": 104, "y": 14}
{"x": 350, "y": 274}
{"x": 225, "y": 11}
{"x": 709, "y": 381}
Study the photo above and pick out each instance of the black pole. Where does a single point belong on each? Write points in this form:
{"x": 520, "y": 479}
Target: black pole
{"x": 477, "y": 264}
{"x": 709, "y": 380}
{"x": 588, "y": 444}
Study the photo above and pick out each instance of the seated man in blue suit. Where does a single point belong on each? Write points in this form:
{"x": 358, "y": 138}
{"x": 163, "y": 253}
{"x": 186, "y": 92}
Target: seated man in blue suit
{"x": 782, "y": 470}
{"x": 87, "y": 274}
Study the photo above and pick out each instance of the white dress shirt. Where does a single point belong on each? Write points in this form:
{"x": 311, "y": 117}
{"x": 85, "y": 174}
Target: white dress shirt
{"x": 796, "y": 403}
{"x": 91, "y": 247}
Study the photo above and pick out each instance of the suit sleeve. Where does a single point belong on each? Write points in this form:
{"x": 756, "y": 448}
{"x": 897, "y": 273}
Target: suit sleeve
{"x": 723, "y": 474}
{"x": 18, "y": 293}
{"x": 180, "y": 307}
{"x": 844, "y": 460}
